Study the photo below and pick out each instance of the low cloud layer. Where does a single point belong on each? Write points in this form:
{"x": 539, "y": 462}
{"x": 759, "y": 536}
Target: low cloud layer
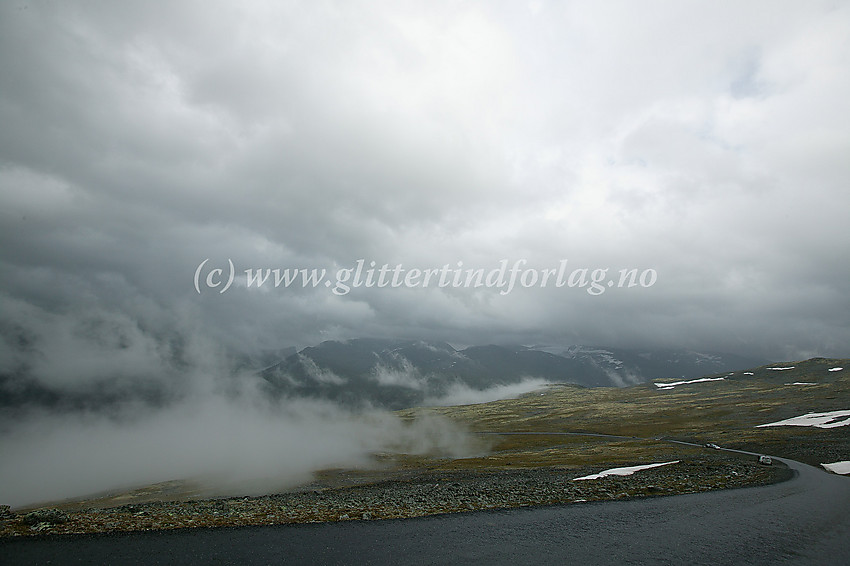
{"x": 462, "y": 394}
{"x": 225, "y": 446}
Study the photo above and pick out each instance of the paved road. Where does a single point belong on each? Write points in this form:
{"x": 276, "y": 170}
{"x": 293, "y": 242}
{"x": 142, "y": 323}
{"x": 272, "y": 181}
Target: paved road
{"x": 801, "y": 521}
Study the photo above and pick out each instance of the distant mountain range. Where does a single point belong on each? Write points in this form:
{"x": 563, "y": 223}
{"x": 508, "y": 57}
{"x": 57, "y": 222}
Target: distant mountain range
{"x": 393, "y": 374}
{"x": 404, "y": 373}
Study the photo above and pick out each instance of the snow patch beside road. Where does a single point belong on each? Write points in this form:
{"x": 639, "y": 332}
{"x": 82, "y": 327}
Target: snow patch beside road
{"x": 838, "y": 467}
{"x": 624, "y": 471}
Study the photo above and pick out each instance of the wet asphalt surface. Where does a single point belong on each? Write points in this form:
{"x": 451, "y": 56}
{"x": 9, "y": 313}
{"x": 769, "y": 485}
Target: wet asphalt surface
{"x": 802, "y": 521}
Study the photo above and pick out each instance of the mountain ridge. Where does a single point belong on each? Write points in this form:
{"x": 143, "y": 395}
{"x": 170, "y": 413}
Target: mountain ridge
{"x": 397, "y": 373}
{"x": 390, "y": 373}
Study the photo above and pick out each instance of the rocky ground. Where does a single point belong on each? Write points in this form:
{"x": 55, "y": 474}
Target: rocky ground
{"x": 418, "y": 494}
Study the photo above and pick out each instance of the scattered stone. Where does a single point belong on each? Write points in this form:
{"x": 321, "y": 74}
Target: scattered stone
{"x": 49, "y": 516}
{"x": 414, "y": 495}
{"x": 40, "y": 527}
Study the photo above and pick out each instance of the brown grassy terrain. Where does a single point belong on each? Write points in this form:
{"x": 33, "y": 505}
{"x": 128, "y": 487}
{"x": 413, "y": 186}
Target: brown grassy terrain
{"x": 724, "y": 412}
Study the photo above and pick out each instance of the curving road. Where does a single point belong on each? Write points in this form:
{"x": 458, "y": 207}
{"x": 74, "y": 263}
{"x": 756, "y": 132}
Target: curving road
{"x": 801, "y": 521}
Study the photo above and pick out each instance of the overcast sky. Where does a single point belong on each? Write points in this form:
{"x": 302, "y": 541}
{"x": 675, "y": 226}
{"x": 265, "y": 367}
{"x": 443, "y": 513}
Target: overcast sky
{"x": 707, "y": 141}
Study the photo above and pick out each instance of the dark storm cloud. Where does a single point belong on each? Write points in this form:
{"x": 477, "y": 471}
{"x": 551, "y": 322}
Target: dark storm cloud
{"x": 706, "y": 143}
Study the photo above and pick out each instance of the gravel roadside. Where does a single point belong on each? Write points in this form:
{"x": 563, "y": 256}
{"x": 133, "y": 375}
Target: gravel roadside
{"x": 418, "y": 494}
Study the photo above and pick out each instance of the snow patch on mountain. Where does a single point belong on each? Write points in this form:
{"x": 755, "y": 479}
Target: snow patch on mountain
{"x": 672, "y": 384}
{"x": 830, "y": 419}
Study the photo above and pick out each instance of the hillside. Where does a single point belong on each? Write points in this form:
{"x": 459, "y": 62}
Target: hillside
{"x": 386, "y": 373}
{"x": 728, "y": 411}
{"x": 397, "y": 374}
